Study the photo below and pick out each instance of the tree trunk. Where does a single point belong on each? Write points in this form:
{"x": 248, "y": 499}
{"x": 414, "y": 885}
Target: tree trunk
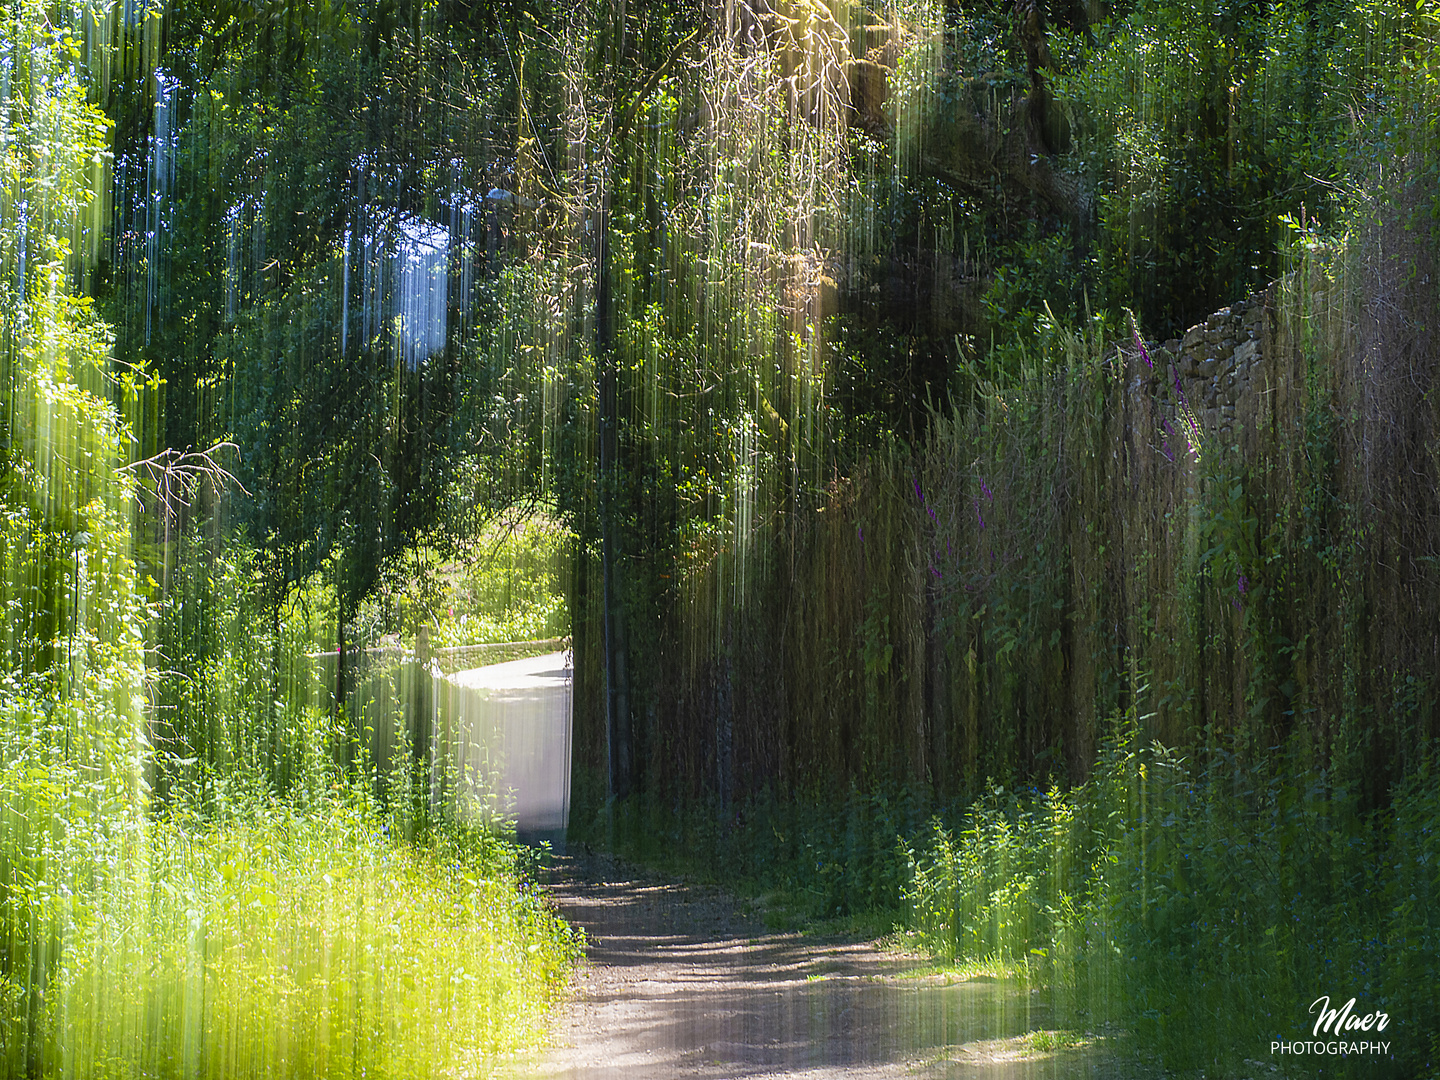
{"x": 421, "y": 730}
{"x": 617, "y": 680}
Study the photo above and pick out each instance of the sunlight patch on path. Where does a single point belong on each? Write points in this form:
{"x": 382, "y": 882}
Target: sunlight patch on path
{"x": 511, "y": 726}
{"x": 679, "y": 984}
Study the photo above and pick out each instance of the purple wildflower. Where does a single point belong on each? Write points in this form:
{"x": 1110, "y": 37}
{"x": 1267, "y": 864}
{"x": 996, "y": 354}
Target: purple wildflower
{"x": 984, "y": 487}
{"x": 1243, "y": 584}
{"x": 1166, "y": 425}
{"x": 1141, "y": 346}
{"x": 978, "y": 518}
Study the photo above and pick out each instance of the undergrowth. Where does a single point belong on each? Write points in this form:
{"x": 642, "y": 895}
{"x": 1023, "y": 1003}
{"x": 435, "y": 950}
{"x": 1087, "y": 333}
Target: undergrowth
{"x": 304, "y": 938}
{"x": 1203, "y": 904}
{"x": 820, "y": 863}
{"x": 504, "y": 584}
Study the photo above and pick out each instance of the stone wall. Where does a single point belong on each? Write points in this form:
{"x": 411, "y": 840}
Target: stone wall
{"x": 1217, "y": 370}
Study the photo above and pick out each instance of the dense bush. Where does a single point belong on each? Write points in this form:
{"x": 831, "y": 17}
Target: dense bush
{"x": 504, "y": 583}
{"x": 301, "y": 940}
{"x": 1202, "y": 904}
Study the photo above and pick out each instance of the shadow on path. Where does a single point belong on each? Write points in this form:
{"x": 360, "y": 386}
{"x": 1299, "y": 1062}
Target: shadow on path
{"x": 679, "y": 983}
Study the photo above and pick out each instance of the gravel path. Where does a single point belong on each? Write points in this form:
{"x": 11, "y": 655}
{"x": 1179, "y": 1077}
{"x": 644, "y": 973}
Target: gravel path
{"x": 680, "y": 983}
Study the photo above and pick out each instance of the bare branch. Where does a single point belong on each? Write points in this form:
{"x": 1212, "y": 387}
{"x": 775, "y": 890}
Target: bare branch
{"x": 176, "y": 475}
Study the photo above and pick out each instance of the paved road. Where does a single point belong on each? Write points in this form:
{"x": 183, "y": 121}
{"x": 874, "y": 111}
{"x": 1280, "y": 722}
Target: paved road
{"x": 512, "y": 723}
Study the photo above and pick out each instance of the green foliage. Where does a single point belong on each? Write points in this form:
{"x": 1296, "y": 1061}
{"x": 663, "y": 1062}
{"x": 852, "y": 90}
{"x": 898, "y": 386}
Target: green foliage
{"x": 819, "y": 858}
{"x": 1199, "y": 124}
{"x": 66, "y": 545}
{"x": 1411, "y": 941}
{"x": 1037, "y": 282}
{"x": 236, "y": 707}
{"x": 297, "y": 159}
{"x": 1163, "y": 893}
{"x": 881, "y": 528}
{"x": 72, "y": 737}
{"x": 160, "y": 912}
{"x": 1003, "y": 886}
{"x": 505, "y": 583}
{"x": 268, "y": 939}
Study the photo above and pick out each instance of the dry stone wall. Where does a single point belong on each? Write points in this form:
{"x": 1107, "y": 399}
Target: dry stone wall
{"x": 1217, "y": 372}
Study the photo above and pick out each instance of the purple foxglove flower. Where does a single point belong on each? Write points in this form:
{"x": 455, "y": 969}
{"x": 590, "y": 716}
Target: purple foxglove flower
{"x": 1141, "y": 346}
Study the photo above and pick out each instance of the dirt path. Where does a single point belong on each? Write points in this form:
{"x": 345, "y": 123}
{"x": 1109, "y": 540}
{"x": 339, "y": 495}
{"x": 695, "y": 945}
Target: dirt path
{"x": 680, "y": 983}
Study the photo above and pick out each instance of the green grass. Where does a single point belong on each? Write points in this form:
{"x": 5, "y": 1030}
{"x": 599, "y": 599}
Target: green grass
{"x": 1061, "y": 1039}
{"x": 1201, "y": 907}
{"x": 293, "y": 943}
{"x": 987, "y": 969}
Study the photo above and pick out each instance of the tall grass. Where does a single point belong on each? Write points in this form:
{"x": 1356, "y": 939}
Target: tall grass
{"x": 1204, "y": 904}
{"x": 280, "y": 940}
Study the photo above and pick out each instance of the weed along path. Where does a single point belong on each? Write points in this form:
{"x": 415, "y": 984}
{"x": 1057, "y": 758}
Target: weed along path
{"x": 681, "y": 982}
